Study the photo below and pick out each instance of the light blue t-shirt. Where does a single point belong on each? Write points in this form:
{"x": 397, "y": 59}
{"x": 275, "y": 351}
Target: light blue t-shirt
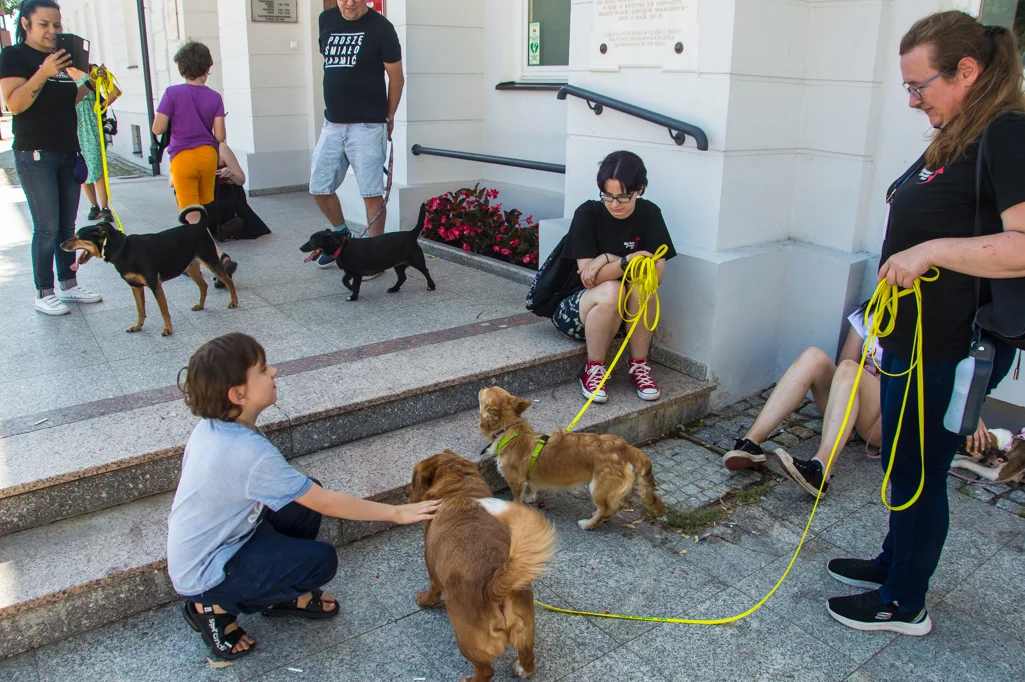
{"x": 229, "y": 473}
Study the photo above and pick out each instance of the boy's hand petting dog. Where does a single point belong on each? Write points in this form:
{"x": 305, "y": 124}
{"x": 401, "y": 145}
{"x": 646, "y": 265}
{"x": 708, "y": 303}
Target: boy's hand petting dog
{"x": 406, "y": 514}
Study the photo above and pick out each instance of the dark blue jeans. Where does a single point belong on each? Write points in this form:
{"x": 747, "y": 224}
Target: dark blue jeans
{"x": 281, "y": 561}
{"x": 52, "y": 193}
{"x": 911, "y": 550}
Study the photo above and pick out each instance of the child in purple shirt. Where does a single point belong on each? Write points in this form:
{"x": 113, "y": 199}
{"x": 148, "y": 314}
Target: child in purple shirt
{"x": 194, "y": 115}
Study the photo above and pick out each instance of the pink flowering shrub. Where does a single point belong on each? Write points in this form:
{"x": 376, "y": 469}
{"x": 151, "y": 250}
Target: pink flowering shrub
{"x": 467, "y": 219}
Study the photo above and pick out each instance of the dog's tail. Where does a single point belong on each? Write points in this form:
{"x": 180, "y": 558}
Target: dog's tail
{"x": 644, "y": 480}
{"x": 529, "y": 553}
{"x": 190, "y": 209}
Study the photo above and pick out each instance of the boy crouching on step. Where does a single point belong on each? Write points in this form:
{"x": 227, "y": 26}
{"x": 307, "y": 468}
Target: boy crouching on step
{"x": 242, "y": 529}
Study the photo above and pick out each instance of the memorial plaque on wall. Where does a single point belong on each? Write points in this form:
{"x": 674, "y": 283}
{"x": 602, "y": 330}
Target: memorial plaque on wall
{"x": 659, "y": 33}
{"x": 275, "y": 11}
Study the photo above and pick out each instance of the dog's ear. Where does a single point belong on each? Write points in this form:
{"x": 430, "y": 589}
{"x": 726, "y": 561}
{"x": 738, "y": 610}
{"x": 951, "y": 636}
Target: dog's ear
{"x": 490, "y": 419}
{"x": 423, "y": 478}
{"x": 520, "y": 405}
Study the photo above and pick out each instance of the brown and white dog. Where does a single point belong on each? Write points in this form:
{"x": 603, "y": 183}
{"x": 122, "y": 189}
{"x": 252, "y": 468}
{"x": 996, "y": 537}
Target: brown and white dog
{"x": 483, "y": 554}
{"x": 608, "y": 465}
{"x": 1002, "y": 460}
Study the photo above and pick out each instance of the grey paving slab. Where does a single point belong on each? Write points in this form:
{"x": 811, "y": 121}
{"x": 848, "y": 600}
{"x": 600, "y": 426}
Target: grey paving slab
{"x": 563, "y": 644}
{"x": 763, "y": 646}
{"x": 621, "y": 665}
{"x": 391, "y": 568}
{"x": 20, "y": 668}
{"x": 801, "y": 600}
{"x": 977, "y": 532}
{"x": 755, "y": 539}
{"x": 283, "y": 642}
{"x": 608, "y": 574}
{"x": 156, "y": 647}
{"x": 60, "y": 389}
{"x": 855, "y": 483}
{"x": 959, "y": 648}
{"x": 986, "y": 594}
{"x": 382, "y": 654}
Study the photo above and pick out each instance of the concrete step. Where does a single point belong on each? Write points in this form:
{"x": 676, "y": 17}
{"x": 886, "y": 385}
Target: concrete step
{"x": 77, "y": 463}
{"x": 79, "y": 573}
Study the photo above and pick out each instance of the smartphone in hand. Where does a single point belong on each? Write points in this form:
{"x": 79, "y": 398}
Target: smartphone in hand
{"x": 75, "y": 47}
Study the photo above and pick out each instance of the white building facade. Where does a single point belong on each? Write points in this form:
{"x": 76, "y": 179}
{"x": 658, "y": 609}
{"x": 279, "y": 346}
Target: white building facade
{"x": 778, "y": 224}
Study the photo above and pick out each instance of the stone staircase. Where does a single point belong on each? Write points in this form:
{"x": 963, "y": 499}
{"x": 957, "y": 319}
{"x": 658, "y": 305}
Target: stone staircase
{"x": 84, "y": 495}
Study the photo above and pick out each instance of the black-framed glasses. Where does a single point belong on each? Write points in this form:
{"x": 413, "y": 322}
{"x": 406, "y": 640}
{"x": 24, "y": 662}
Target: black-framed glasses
{"x": 621, "y": 198}
{"x": 916, "y": 90}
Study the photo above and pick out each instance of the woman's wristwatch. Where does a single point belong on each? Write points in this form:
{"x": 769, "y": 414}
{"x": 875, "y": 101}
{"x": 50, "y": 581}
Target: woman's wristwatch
{"x": 623, "y": 263}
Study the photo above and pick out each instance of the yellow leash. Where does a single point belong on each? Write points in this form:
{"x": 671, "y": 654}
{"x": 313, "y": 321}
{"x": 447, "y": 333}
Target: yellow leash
{"x": 641, "y": 275}
{"x": 105, "y": 85}
{"x": 885, "y": 297}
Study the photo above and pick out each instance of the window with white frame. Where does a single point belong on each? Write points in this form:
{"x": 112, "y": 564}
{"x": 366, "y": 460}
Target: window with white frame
{"x": 546, "y": 39}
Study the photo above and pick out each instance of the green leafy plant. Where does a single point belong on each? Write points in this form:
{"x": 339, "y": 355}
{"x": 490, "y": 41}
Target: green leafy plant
{"x": 468, "y": 219}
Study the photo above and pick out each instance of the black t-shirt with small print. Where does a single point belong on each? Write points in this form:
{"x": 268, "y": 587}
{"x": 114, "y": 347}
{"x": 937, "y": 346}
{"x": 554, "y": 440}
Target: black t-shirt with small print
{"x": 940, "y": 203}
{"x": 355, "y": 53}
{"x": 594, "y": 231}
{"x": 50, "y": 124}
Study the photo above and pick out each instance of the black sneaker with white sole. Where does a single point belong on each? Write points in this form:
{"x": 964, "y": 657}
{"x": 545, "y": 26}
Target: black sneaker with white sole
{"x": 745, "y": 454}
{"x": 857, "y": 573}
{"x": 868, "y": 612}
{"x": 805, "y": 473}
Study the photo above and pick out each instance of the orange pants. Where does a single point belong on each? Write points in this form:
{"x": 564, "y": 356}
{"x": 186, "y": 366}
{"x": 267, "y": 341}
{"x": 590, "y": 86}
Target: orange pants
{"x": 194, "y": 172}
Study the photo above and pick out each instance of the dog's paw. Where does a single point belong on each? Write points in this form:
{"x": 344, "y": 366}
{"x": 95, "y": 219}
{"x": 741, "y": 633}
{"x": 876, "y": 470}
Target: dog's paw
{"x": 134, "y": 328}
{"x": 352, "y": 298}
{"x": 518, "y": 670}
{"x": 166, "y": 331}
{"x": 198, "y": 306}
{"x": 585, "y": 524}
{"x": 426, "y": 599}
{"x": 393, "y": 290}
{"x": 233, "y": 304}
{"x": 431, "y": 287}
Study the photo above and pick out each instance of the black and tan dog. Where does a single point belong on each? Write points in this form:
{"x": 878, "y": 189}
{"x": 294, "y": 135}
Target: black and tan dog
{"x": 149, "y": 260}
{"x": 359, "y": 258}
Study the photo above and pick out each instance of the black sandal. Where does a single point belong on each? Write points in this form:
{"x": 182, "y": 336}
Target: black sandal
{"x": 211, "y": 626}
{"x": 230, "y": 267}
{"x": 313, "y": 611}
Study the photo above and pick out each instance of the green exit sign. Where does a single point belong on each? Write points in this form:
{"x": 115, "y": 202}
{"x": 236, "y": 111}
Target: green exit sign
{"x": 534, "y": 43}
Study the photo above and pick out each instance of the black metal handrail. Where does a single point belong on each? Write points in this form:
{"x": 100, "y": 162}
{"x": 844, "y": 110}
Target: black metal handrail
{"x": 518, "y": 85}
{"x": 596, "y": 102}
{"x": 487, "y": 158}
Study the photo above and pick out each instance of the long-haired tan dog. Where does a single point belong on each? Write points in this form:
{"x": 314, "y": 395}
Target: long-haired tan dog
{"x": 483, "y": 554}
{"x": 608, "y": 465}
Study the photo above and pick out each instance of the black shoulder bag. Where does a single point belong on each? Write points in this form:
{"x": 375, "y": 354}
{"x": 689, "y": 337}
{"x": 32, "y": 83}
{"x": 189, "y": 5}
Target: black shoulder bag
{"x": 1003, "y": 318}
{"x": 546, "y": 291}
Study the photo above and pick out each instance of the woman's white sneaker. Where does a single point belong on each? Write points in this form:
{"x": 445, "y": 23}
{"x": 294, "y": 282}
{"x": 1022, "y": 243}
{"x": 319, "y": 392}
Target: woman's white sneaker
{"x": 78, "y": 294}
{"x": 51, "y": 305}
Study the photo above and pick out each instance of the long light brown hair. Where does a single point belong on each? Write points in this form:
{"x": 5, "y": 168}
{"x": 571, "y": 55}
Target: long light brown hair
{"x": 954, "y": 36}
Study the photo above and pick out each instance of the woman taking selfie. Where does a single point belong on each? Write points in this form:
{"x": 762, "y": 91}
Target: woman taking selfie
{"x": 39, "y": 87}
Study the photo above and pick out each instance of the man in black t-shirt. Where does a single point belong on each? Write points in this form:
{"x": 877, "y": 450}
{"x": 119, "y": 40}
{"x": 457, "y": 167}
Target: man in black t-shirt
{"x": 359, "y": 47}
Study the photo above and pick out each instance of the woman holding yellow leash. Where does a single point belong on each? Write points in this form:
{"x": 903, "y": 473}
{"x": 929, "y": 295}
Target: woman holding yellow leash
{"x": 967, "y": 79}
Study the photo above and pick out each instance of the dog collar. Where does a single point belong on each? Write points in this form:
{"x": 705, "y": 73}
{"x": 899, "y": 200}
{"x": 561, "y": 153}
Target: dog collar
{"x": 503, "y": 440}
{"x": 338, "y": 250}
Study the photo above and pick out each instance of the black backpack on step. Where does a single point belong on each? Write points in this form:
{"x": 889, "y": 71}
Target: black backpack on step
{"x": 550, "y": 282}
